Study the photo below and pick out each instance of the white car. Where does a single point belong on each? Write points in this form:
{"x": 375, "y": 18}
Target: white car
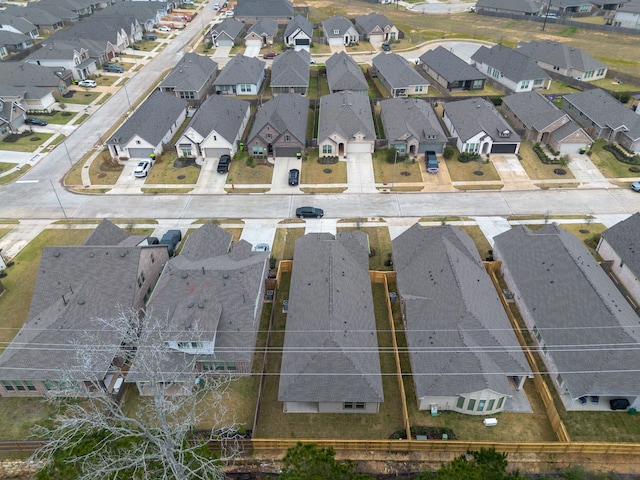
{"x": 87, "y": 83}
{"x": 635, "y": 186}
{"x": 164, "y": 29}
{"x": 142, "y": 169}
{"x": 216, "y": 6}
{"x": 229, "y": 13}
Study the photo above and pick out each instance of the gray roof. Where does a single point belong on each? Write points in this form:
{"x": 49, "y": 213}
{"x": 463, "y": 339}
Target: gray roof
{"x": 219, "y": 113}
{"x": 35, "y": 15}
{"x": 476, "y": 115}
{"x": 566, "y": 130}
{"x": 56, "y": 50}
{"x": 397, "y": 71}
{"x": 57, "y": 10}
{"x": 337, "y": 22}
{"x": 406, "y": 117}
{"x": 264, "y": 26}
{"x": 210, "y": 299}
{"x": 23, "y": 25}
{"x": 459, "y": 337}
{"x": 12, "y": 38}
{"x": 624, "y": 238}
{"x": 106, "y": 233}
{"x": 291, "y": 69}
{"x": 241, "y": 69}
{"x": 631, "y": 7}
{"x": 510, "y": 63}
{"x": 533, "y": 110}
{"x": 519, "y": 6}
{"x": 27, "y": 74}
{"x": 583, "y": 319}
{"x": 152, "y": 120}
{"x": 560, "y": 55}
{"x": 287, "y": 112}
{"x": 343, "y": 73}
{"x": 330, "y": 351}
{"x": 229, "y": 26}
{"x": 93, "y": 28}
{"x": 190, "y": 74}
{"x": 346, "y": 113}
{"x": 605, "y": 111}
{"x": 299, "y": 22}
{"x": 370, "y": 21}
{"x": 450, "y": 66}
{"x": 206, "y": 242}
{"x": 264, "y": 8}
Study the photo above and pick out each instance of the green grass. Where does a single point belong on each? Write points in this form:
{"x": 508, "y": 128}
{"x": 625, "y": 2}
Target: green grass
{"x": 285, "y": 240}
{"x": 164, "y": 171}
{"x": 83, "y": 96}
{"x": 464, "y": 172}
{"x": 245, "y": 172}
{"x": 607, "y": 163}
{"x": 379, "y": 244}
{"x": 388, "y": 173}
{"x": 27, "y": 142}
{"x": 536, "y": 170}
{"x": 33, "y": 411}
{"x": 314, "y": 172}
{"x": 81, "y": 119}
{"x": 4, "y": 166}
{"x": 103, "y": 171}
{"x": 12, "y": 176}
{"x": 58, "y": 117}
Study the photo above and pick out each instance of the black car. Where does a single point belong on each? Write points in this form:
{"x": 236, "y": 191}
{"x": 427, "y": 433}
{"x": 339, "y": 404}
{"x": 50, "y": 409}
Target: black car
{"x": 35, "y": 121}
{"x": 294, "y": 177}
{"x": 386, "y": 46}
{"x": 223, "y": 164}
{"x": 619, "y": 403}
{"x": 171, "y": 239}
{"x": 309, "y": 212}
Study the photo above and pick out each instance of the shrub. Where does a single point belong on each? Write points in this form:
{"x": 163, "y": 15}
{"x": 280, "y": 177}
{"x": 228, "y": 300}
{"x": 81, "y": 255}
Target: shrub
{"x": 448, "y": 152}
{"x": 621, "y": 154}
{"x": 623, "y": 97}
{"x": 328, "y": 160}
{"x": 250, "y": 162}
{"x": 544, "y": 158}
{"x": 466, "y": 157}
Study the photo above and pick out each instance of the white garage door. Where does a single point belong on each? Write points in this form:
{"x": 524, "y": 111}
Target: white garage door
{"x": 216, "y": 152}
{"x": 253, "y": 42}
{"x": 571, "y": 147}
{"x": 336, "y": 41}
{"x": 359, "y": 147}
{"x": 140, "y": 152}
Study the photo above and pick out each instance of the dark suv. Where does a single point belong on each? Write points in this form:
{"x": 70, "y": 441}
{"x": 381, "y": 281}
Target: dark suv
{"x": 431, "y": 161}
{"x": 619, "y": 403}
{"x": 110, "y": 67}
{"x": 223, "y": 164}
{"x": 294, "y": 177}
{"x": 309, "y": 212}
{"x": 171, "y": 239}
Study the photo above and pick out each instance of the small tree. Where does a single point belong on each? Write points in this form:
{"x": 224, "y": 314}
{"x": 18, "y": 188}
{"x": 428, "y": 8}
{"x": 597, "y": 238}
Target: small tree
{"x": 308, "y": 462}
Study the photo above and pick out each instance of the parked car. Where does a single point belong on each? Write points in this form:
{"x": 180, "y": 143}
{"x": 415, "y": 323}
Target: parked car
{"x": 229, "y": 13}
{"x": 619, "y": 403}
{"x": 431, "y": 161}
{"x": 171, "y": 239}
{"x": 151, "y": 36}
{"x": 110, "y": 67}
{"x": 223, "y": 163}
{"x": 635, "y": 186}
{"x": 142, "y": 169}
{"x": 87, "y": 83}
{"x": 35, "y": 121}
{"x": 270, "y": 55}
{"x": 309, "y": 212}
{"x": 164, "y": 28}
{"x": 261, "y": 247}
{"x": 216, "y": 6}
{"x": 294, "y": 177}
{"x": 386, "y": 46}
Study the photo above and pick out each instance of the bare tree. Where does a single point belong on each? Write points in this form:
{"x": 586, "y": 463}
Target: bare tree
{"x": 100, "y": 438}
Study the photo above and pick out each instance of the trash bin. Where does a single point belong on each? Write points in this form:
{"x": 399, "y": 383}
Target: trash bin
{"x": 632, "y": 411}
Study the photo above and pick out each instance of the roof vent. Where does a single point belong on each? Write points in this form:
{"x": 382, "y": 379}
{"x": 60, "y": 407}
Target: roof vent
{"x": 225, "y": 275}
{"x": 81, "y": 302}
{"x": 185, "y": 274}
{"x": 56, "y": 253}
{"x": 123, "y": 254}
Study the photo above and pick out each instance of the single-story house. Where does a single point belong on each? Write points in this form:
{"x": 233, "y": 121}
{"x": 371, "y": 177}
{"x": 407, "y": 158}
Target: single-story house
{"x": 450, "y": 71}
{"x": 45, "y": 21}
{"x": 545, "y": 123}
{"x": 345, "y": 125}
{"x": 226, "y": 33}
{"x": 150, "y": 127}
{"x": 79, "y": 289}
{"x": 560, "y": 58}
{"x": 464, "y": 354}
{"x": 29, "y": 75}
{"x": 12, "y": 110}
{"x": 619, "y": 247}
{"x": 250, "y": 11}
{"x": 510, "y": 68}
{"x": 376, "y": 28}
{"x": 412, "y": 126}
{"x": 602, "y": 116}
{"x": 261, "y": 33}
{"x": 290, "y": 72}
{"x": 340, "y": 31}
{"x": 627, "y": 16}
{"x": 12, "y": 23}
{"x": 479, "y": 127}
{"x": 215, "y": 129}
{"x": 299, "y": 33}
{"x": 343, "y": 73}
{"x": 580, "y": 321}
{"x": 11, "y": 42}
{"x": 330, "y": 359}
{"x": 568, "y": 7}
{"x": 280, "y": 127}
{"x": 241, "y": 76}
{"x": 28, "y": 98}
{"x": 207, "y": 306}
{"x": 517, "y": 7}
{"x": 69, "y": 56}
{"x": 399, "y": 76}
{"x": 191, "y": 79}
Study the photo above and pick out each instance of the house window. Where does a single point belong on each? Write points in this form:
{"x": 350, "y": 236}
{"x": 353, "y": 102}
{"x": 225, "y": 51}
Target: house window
{"x": 48, "y": 384}
{"x": 30, "y": 386}
{"x": 188, "y": 95}
{"x": 269, "y": 136}
{"x": 206, "y": 366}
{"x": 257, "y": 150}
{"x": 477, "y": 84}
{"x": 491, "y": 403}
{"x": 524, "y": 84}
{"x": 141, "y": 280}
{"x": 544, "y": 349}
{"x": 137, "y": 142}
{"x": 401, "y": 148}
{"x": 500, "y": 402}
{"x": 327, "y": 149}
{"x": 197, "y": 344}
{"x": 460, "y": 402}
{"x": 218, "y": 366}
{"x": 7, "y": 386}
{"x": 347, "y": 406}
{"x": 418, "y": 89}
{"x": 481, "y": 404}
{"x": 231, "y": 366}
{"x": 336, "y": 31}
{"x": 287, "y": 138}
{"x": 183, "y": 344}
{"x": 472, "y": 404}
{"x": 472, "y": 147}
{"x": 153, "y": 259}
{"x": 360, "y": 405}
{"x": 19, "y": 386}
{"x": 245, "y": 88}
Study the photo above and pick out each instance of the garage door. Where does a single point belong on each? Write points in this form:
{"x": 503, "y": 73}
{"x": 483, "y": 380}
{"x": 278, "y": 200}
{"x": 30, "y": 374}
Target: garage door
{"x": 336, "y": 41}
{"x": 224, "y": 43}
{"x": 253, "y": 42}
{"x": 140, "y": 152}
{"x": 571, "y": 147}
{"x": 216, "y": 152}
{"x": 359, "y": 147}
{"x": 287, "y": 151}
{"x": 504, "y": 148}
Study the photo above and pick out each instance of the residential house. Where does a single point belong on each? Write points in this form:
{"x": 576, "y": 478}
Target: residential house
{"x": 619, "y": 247}
{"x": 150, "y": 127}
{"x": 11, "y": 42}
{"x": 602, "y": 116}
{"x": 226, "y": 33}
{"x": 45, "y": 21}
{"x": 206, "y": 307}
{"x": 399, "y": 76}
{"x": 215, "y": 129}
{"x": 627, "y": 16}
{"x": 11, "y": 23}
{"x": 450, "y": 71}
{"x": 343, "y": 73}
{"x": 510, "y": 68}
{"x": 340, "y": 31}
{"x": 99, "y": 51}
{"x": 261, "y": 33}
{"x": 544, "y": 123}
{"x": 28, "y": 75}
{"x": 376, "y": 28}
{"x": 345, "y": 125}
{"x": 28, "y": 98}
{"x": 412, "y": 126}
{"x": 79, "y": 289}
{"x": 299, "y": 33}
{"x": 250, "y": 11}
{"x": 241, "y": 76}
{"x": 560, "y": 58}
{"x": 516, "y": 7}
{"x": 290, "y": 72}
{"x": 12, "y": 112}
{"x": 67, "y": 16}
{"x": 330, "y": 360}
{"x": 280, "y": 127}
{"x": 79, "y": 8}
{"x": 191, "y": 79}
{"x": 68, "y": 56}
{"x": 581, "y": 323}
{"x": 464, "y": 354}
{"x": 570, "y": 7}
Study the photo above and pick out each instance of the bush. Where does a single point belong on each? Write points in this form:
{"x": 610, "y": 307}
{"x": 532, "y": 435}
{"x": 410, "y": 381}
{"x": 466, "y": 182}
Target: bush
{"x": 448, "y": 152}
{"x": 623, "y": 97}
{"x": 466, "y": 157}
{"x": 550, "y": 148}
{"x": 621, "y": 154}
{"x": 328, "y": 160}
{"x": 544, "y": 158}
{"x": 250, "y": 162}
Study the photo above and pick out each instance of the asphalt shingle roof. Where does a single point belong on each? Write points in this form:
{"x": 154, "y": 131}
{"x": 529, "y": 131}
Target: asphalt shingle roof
{"x": 223, "y": 114}
{"x": 402, "y": 117}
{"x": 343, "y": 73}
{"x": 560, "y": 55}
{"x": 264, "y": 26}
{"x": 291, "y": 69}
{"x": 287, "y": 112}
{"x": 520, "y": 6}
{"x": 624, "y": 238}
{"x": 336, "y": 23}
{"x": 450, "y": 66}
{"x": 510, "y": 63}
{"x": 27, "y": 74}
{"x": 190, "y": 74}
{"x": 476, "y": 115}
{"x": 264, "y": 8}
{"x": 229, "y": 26}
{"x": 397, "y": 71}
{"x": 533, "y": 110}
{"x": 299, "y": 22}
{"x": 241, "y": 69}
{"x": 347, "y": 113}
{"x": 370, "y": 21}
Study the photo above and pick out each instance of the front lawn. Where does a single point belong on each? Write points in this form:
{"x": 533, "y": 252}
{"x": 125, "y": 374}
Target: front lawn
{"x": 103, "y": 170}
{"x": 168, "y": 169}
{"x": 607, "y": 163}
{"x": 314, "y": 173}
{"x": 536, "y": 170}
{"x": 24, "y": 142}
{"x": 402, "y": 171}
{"x": 82, "y": 96}
{"x": 245, "y": 170}
{"x": 467, "y": 172}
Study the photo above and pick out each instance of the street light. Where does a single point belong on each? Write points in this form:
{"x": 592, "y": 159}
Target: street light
{"x": 58, "y": 198}
{"x": 127, "y": 95}
{"x": 68, "y": 154}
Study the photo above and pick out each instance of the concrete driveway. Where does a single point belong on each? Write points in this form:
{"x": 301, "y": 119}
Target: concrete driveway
{"x": 280, "y": 177}
{"x": 512, "y": 172}
{"x": 252, "y": 51}
{"x": 257, "y": 231}
{"x": 360, "y": 175}
{"x": 337, "y": 48}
